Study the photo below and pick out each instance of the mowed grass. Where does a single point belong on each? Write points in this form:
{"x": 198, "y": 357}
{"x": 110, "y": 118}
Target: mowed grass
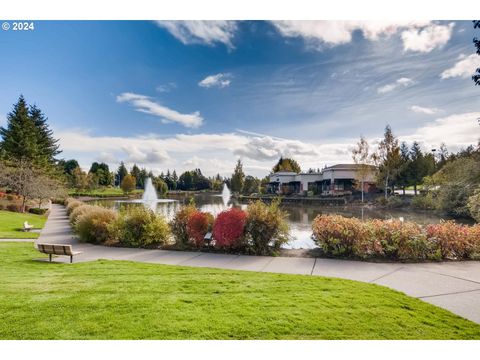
{"x": 11, "y": 225}
{"x": 127, "y": 300}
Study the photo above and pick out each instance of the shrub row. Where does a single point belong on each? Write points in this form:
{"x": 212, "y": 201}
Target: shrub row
{"x": 261, "y": 229}
{"x": 137, "y": 227}
{"x": 339, "y": 236}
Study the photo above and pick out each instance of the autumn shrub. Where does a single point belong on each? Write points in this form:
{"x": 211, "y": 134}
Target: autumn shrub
{"x": 179, "y": 224}
{"x": 78, "y": 211}
{"x": 474, "y": 236}
{"x": 140, "y": 227}
{"x": 95, "y": 225}
{"x": 72, "y": 205}
{"x": 229, "y": 229}
{"x": 337, "y": 235}
{"x": 266, "y": 227}
{"x": 199, "y": 223}
{"x": 397, "y": 240}
{"x": 454, "y": 240}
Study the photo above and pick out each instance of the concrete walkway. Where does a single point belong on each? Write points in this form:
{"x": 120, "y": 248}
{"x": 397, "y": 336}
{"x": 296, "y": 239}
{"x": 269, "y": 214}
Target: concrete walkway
{"x": 452, "y": 285}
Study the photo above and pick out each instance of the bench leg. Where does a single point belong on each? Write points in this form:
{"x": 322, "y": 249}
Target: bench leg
{"x": 50, "y": 257}
{"x": 71, "y": 259}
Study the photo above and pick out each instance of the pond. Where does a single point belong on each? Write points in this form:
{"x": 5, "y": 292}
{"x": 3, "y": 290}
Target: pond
{"x": 300, "y": 216}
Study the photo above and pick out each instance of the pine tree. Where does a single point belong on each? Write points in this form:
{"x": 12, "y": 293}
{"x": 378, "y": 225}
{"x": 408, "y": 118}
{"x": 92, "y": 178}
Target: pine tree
{"x": 404, "y": 175}
{"x": 418, "y": 166}
{"x": 47, "y": 145}
{"x": 389, "y": 160}
{"x": 27, "y": 137}
{"x": 135, "y": 172}
{"x": 121, "y": 173}
{"x": 238, "y": 178}
{"x": 19, "y": 138}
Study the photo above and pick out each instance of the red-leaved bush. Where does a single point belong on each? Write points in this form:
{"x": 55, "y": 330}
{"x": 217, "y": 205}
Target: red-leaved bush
{"x": 198, "y": 225}
{"x": 229, "y": 228}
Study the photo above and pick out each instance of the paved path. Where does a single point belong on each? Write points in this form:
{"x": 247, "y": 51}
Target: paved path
{"x": 452, "y": 285}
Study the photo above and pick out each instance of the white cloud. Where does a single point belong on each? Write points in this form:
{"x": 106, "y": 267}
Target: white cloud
{"x": 402, "y": 82}
{"x": 428, "y": 38}
{"x": 213, "y": 153}
{"x": 424, "y": 110}
{"x": 201, "y": 31}
{"x": 166, "y": 87}
{"x": 270, "y": 148}
{"x": 146, "y": 105}
{"x": 219, "y": 80}
{"x": 464, "y": 68}
{"x": 457, "y": 131}
{"x": 422, "y": 36}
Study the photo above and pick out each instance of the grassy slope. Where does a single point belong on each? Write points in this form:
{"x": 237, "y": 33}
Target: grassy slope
{"x": 126, "y": 300}
{"x": 11, "y": 225}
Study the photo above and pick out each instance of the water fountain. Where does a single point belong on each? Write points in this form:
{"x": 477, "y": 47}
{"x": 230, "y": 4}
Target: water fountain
{"x": 149, "y": 194}
{"x": 226, "y": 194}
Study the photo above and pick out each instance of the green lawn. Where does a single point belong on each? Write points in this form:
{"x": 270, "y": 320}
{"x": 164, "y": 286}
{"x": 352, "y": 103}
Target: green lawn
{"x": 11, "y": 225}
{"x": 127, "y": 300}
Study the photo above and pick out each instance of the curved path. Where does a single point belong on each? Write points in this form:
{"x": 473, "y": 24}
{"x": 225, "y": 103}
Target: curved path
{"x": 452, "y": 285}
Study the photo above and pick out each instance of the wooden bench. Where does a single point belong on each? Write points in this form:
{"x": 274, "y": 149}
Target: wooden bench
{"x": 57, "y": 249}
{"x": 27, "y": 226}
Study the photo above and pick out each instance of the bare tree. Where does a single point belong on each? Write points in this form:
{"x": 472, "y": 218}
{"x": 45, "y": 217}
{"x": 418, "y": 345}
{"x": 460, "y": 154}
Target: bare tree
{"x": 361, "y": 156}
{"x": 28, "y": 181}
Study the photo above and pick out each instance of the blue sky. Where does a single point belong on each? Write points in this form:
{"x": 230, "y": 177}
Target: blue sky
{"x": 203, "y": 94}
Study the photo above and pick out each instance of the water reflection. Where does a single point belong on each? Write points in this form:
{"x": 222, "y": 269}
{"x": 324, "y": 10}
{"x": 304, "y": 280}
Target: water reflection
{"x": 300, "y": 216}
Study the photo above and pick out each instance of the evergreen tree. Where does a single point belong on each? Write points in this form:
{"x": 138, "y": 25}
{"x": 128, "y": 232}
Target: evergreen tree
{"x": 121, "y": 173}
{"x": 47, "y": 145}
{"x": 102, "y": 173}
{"x": 27, "y": 137}
{"x": 417, "y": 172}
{"x": 389, "y": 160}
{"x": 142, "y": 178}
{"x": 19, "y": 138}
{"x": 476, "y": 42}
{"x": 67, "y": 166}
{"x": 135, "y": 172}
{"x": 403, "y": 178}
{"x": 238, "y": 178}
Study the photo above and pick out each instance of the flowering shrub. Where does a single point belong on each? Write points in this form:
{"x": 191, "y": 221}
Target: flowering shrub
{"x": 94, "y": 226}
{"x": 266, "y": 227}
{"x": 229, "y": 227}
{"x": 453, "y": 240}
{"x": 395, "y": 240}
{"x": 140, "y": 227}
{"x": 179, "y": 224}
{"x": 198, "y": 225}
